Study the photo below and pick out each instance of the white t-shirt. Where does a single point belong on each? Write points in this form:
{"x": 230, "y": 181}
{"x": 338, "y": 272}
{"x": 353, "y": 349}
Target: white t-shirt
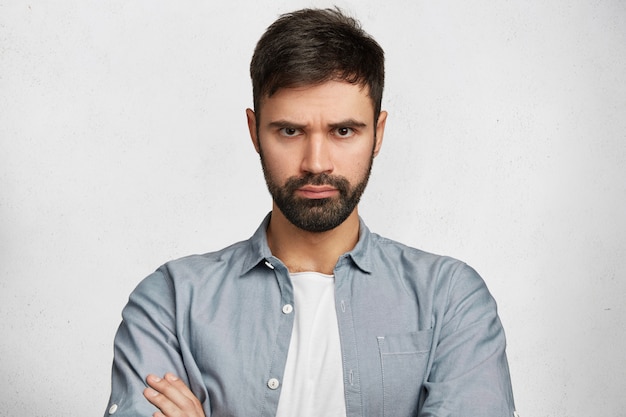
{"x": 312, "y": 385}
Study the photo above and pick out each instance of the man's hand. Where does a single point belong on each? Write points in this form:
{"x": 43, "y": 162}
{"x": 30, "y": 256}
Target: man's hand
{"x": 170, "y": 395}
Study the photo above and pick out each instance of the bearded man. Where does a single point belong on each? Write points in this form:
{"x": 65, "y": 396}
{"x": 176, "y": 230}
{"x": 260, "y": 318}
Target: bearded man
{"x": 314, "y": 315}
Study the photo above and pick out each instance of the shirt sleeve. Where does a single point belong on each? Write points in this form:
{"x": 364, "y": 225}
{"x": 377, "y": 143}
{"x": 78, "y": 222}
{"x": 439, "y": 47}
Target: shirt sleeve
{"x": 146, "y": 342}
{"x": 469, "y": 374}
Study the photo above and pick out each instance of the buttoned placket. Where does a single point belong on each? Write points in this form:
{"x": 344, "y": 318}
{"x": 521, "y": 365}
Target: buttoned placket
{"x": 276, "y": 370}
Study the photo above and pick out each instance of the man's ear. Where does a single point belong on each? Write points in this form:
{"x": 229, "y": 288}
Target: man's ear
{"x": 251, "y": 116}
{"x": 380, "y": 131}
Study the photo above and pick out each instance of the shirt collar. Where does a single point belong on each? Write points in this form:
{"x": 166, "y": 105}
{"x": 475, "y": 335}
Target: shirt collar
{"x": 259, "y": 250}
{"x": 360, "y": 254}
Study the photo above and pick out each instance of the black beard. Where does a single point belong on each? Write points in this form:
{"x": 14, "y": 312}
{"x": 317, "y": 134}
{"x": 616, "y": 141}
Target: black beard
{"x": 316, "y": 215}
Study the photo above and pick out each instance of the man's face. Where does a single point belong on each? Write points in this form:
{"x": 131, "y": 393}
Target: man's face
{"x": 317, "y": 144}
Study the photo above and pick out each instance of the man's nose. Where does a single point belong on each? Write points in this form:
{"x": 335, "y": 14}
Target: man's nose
{"x": 317, "y": 155}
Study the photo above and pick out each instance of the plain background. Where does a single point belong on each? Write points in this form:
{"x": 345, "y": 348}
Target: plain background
{"x": 124, "y": 145}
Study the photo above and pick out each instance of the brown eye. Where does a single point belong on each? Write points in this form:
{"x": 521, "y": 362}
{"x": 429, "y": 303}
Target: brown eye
{"x": 344, "y": 132}
{"x": 289, "y": 131}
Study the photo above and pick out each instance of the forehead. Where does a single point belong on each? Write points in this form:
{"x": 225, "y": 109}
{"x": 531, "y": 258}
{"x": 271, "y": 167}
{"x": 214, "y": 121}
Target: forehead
{"x": 338, "y": 98}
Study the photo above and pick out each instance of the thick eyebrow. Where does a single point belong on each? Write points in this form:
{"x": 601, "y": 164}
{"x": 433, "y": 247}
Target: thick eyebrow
{"x": 348, "y": 123}
{"x": 279, "y": 124}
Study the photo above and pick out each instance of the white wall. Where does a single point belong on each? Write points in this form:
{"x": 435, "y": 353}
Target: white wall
{"x": 123, "y": 145}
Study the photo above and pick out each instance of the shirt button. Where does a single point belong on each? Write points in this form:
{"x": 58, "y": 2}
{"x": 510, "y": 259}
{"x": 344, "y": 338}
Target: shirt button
{"x": 287, "y": 308}
{"x": 113, "y": 409}
{"x": 273, "y": 383}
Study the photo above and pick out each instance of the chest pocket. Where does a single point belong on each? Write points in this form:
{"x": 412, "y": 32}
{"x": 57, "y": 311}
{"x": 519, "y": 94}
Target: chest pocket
{"x": 404, "y": 358}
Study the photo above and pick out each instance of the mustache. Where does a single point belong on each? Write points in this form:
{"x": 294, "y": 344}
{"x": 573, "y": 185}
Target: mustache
{"x": 338, "y": 182}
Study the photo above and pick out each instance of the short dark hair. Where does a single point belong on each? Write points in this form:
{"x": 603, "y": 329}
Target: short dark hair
{"x": 311, "y": 46}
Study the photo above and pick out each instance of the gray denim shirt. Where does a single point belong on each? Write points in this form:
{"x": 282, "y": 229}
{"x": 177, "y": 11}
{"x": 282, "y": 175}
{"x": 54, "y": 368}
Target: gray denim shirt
{"x": 420, "y": 334}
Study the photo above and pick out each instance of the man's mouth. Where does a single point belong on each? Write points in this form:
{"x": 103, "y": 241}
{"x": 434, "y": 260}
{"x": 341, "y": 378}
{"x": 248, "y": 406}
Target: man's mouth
{"x": 317, "y": 191}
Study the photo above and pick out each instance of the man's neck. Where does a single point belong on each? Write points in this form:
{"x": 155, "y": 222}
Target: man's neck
{"x": 303, "y": 251}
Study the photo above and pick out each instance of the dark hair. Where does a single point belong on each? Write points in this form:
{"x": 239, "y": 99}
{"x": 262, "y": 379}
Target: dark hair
{"x": 311, "y": 46}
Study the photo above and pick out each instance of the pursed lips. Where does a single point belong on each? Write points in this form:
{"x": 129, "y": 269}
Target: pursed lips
{"x": 317, "y": 191}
